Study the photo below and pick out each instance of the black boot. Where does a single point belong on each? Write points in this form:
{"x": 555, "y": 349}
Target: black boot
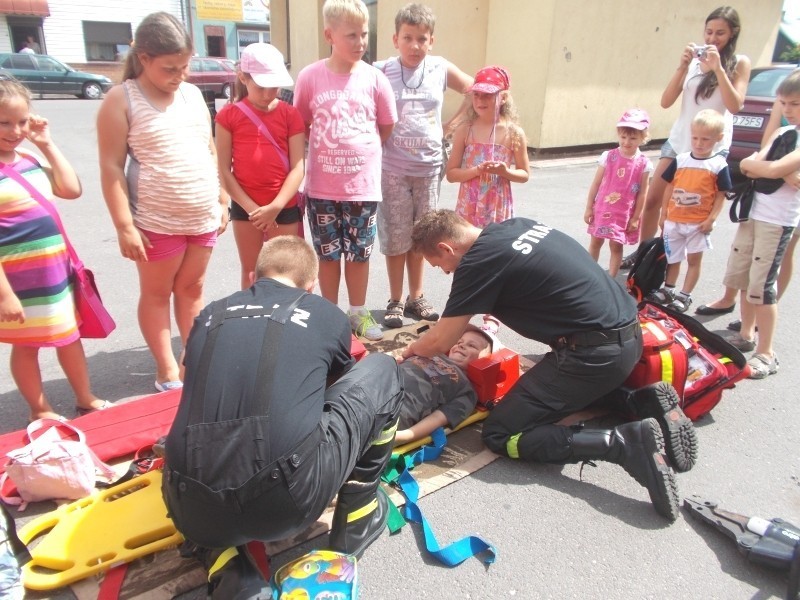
{"x": 233, "y": 574}
{"x": 661, "y": 402}
{"x": 639, "y": 448}
{"x": 362, "y": 508}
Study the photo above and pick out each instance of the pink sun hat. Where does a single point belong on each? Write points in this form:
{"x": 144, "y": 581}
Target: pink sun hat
{"x": 635, "y": 118}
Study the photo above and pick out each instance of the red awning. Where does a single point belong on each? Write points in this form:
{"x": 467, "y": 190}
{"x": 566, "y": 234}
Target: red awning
{"x": 37, "y": 8}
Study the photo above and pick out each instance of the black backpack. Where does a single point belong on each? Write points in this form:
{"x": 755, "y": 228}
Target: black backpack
{"x": 649, "y": 270}
{"x": 742, "y": 194}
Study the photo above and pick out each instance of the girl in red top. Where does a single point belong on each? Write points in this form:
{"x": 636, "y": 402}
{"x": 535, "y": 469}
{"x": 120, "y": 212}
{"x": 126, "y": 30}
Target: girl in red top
{"x": 260, "y": 147}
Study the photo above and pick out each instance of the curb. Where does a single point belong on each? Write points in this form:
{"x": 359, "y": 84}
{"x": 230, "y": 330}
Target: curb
{"x": 569, "y": 161}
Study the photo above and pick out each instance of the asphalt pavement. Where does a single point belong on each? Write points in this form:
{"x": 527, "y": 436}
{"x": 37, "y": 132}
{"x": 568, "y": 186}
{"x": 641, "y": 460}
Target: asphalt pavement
{"x": 557, "y": 534}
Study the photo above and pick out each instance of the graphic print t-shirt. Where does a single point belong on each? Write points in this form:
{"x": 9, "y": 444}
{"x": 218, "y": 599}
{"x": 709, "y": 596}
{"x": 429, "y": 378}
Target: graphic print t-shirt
{"x": 344, "y": 147}
{"x": 434, "y": 383}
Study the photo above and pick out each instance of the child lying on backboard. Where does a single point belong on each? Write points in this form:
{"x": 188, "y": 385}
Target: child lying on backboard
{"x": 437, "y": 392}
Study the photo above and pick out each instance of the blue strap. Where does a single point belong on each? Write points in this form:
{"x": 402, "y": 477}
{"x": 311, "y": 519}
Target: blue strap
{"x": 458, "y": 551}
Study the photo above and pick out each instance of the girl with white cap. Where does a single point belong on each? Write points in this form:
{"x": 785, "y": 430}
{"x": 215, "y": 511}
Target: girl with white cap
{"x": 260, "y": 146}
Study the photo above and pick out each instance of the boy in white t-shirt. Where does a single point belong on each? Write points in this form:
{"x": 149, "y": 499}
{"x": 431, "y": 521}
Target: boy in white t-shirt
{"x": 760, "y": 242}
{"x": 695, "y": 194}
{"x": 349, "y": 110}
{"x": 413, "y": 155}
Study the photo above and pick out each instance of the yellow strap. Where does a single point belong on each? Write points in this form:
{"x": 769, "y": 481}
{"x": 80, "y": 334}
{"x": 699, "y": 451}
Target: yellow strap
{"x": 363, "y": 511}
{"x": 724, "y": 360}
{"x": 511, "y": 446}
{"x": 667, "y": 367}
{"x": 222, "y": 560}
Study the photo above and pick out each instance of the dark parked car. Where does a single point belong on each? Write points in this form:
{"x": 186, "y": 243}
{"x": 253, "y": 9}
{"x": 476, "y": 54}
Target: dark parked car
{"x": 43, "y": 74}
{"x": 749, "y": 124}
{"x": 213, "y": 75}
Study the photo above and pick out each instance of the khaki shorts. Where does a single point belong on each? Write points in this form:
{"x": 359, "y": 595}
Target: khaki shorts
{"x": 405, "y": 200}
{"x": 756, "y": 255}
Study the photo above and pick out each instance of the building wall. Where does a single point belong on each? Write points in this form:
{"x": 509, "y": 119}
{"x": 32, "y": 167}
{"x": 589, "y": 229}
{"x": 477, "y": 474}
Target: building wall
{"x": 63, "y": 29}
{"x": 591, "y": 80}
{"x": 575, "y": 65}
{"x": 231, "y": 25}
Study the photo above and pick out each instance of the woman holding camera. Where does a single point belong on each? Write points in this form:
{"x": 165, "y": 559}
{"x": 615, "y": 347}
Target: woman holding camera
{"x": 710, "y": 75}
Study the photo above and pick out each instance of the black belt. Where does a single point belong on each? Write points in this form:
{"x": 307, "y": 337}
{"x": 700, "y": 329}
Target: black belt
{"x": 598, "y": 338}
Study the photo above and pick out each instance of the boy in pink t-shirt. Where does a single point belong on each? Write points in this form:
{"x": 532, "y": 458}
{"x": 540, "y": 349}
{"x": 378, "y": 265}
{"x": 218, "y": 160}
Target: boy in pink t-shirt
{"x": 349, "y": 111}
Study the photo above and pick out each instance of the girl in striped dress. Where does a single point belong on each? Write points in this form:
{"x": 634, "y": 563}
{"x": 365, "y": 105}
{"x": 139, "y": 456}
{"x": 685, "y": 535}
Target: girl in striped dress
{"x": 167, "y": 205}
{"x": 37, "y": 309}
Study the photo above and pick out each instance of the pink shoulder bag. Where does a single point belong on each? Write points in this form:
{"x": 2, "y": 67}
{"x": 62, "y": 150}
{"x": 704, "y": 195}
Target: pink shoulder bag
{"x": 56, "y": 464}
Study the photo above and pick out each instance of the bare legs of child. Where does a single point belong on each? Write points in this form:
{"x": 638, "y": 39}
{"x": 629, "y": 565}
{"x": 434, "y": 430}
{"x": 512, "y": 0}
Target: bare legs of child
{"x": 330, "y": 275}
{"x": 415, "y": 304}
{"x": 28, "y": 377}
{"x": 179, "y": 278}
{"x": 615, "y": 256}
{"x": 249, "y": 240}
{"x": 682, "y": 300}
{"x": 356, "y": 277}
{"x": 763, "y": 317}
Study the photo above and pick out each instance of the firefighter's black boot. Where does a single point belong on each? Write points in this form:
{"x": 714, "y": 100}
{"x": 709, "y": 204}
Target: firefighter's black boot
{"x": 362, "y": 508}
{"x": 639, "y": 448}
{"x": 662, "y": 402}
{"x": 233, "y": 574}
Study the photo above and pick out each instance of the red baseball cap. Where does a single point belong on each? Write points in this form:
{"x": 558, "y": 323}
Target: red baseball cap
{"x": 490, "y": 80}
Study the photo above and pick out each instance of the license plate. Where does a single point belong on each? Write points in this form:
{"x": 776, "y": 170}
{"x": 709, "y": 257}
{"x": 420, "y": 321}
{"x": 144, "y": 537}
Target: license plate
{"x": 750, "y": 122}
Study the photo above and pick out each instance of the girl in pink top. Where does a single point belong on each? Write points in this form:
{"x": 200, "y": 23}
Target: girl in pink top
{"x": 616, "y": 196}
{"x": 489, "y": 151}
{"x": 168, "y": 208}
{"x": 260, "y": 146}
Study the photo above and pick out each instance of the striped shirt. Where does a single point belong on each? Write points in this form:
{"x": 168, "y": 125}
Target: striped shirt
{"x": 35, "y": 260}
{"x": 173, "y": 183}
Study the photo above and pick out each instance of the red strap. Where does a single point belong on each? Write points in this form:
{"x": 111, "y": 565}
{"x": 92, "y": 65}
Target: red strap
{"x": 259, "y": 554}
{"x": 112, "y": 582}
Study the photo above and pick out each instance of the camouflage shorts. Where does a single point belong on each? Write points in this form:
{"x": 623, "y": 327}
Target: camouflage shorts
{"x": 405, "y": 200}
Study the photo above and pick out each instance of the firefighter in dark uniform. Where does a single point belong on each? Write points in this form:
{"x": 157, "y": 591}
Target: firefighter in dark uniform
{"x": 542, "y": 284}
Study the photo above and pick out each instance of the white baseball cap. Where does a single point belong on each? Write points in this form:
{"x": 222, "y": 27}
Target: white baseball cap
{"x": 494, "y": 343}
{"x": 264, "y": 63}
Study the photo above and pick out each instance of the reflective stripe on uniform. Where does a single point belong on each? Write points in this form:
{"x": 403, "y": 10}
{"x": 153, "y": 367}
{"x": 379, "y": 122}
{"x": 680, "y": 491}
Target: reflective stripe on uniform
{"x": 363, "y": 511}
{"x": 387, "y": 435}
{"x": 511, "y": 446}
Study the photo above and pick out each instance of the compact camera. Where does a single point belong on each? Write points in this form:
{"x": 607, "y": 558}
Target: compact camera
{"x": 700, "y": 51}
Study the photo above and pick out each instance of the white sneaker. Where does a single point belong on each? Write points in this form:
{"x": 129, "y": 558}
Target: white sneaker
{"x": 363, "y": 325}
